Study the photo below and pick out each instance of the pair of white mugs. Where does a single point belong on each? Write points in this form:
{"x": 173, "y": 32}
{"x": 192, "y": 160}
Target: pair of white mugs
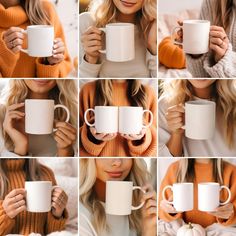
{"x": 111, "y": 119}
{"x": 195, "y": 36}
{"x": 208, "y": 196}
{"x": 200, "y": 118}
{"x": 119, "y": 195}
{"x": 39, "y": 115}
{"x": 39, "y": 195}
{"x": 40, "y": 40}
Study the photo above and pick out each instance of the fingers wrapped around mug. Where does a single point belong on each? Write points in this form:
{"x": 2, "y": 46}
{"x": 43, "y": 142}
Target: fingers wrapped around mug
{"x": 59, "y": 201}
{"x": 134, "y": 137}
{"x": 58, "y": 52}
{"x": 102, "y": 136}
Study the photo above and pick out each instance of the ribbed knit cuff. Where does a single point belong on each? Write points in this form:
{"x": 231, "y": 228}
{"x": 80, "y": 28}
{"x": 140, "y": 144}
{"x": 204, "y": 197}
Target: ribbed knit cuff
{"x": 47, "y": 71}
{"x": 89, "y": 146}
{"x": 6, "y": 223}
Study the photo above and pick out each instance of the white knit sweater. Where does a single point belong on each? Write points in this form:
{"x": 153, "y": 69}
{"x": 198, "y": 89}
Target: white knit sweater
{"x": 205, "y": 65}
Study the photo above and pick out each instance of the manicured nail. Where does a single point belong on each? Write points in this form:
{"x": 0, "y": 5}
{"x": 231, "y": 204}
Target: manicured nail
{"x": 54, "y": 51}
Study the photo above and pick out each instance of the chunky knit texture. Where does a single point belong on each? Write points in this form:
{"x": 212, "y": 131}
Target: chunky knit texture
{"x": 118, "y": 146}
{"x": 20, "y": 64}
{"x": 203, "y": 173}
{"x": 205, "y": 66}
{"x": 27, "y": 222}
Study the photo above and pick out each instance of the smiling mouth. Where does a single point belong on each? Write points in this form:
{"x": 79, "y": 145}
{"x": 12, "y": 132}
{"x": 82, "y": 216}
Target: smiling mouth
{"x": 41, "y": 81}
{"x": 128, "y": 4}
{"x": 116, "y": 174}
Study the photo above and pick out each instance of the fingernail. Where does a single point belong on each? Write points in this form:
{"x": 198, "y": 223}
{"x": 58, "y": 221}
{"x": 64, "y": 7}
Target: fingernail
{"x": 54, "y": 51}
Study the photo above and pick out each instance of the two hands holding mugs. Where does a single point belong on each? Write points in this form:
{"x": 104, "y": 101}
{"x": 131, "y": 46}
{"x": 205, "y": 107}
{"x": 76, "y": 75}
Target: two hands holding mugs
{"x": 15, "y": 202}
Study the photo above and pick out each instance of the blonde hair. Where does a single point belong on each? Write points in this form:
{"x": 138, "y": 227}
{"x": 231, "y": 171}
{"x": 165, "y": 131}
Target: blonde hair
{"x": 35, "y": 12}
{"x": 135, "y": 93}
{"x": 224, "y": 93}
{"x": 186, "y": 173}
{"x": 105, "y": 12}
{"x": 222, "y": 13}
{"x": 138, "y": 175}
{"x": 65, "y": 93}
{"x": 31, "y": 169}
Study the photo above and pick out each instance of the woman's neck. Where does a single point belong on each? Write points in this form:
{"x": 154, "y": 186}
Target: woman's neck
{"x": 126, "y": 18}
{"x": 33, "y": 95}
{"x": 100, "y": 190}
{"x": 204, "y": 93}
{"x": 203, "y": 160}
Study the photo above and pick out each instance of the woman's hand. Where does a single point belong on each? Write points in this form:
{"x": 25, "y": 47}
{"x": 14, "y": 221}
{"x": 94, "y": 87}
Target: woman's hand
{"x": 149, "y": 211}
{"x": 134, "y": 137}
{"x": 59, "y": 201}
{"x": 65, "y": 136}
{"x": 167, "y": 207}
{"x": 92, "y": 42}
{"x": 12, "y": 117}
{"x": 57, "y": 53}
{"x": 152, "y": 38}
{"x": 219, "y": 42}
{"x": 102, "y": 136}
{"x": 14, "y": 202}
{"x": 13, "y": 39}
{"x": 223, "y": 212}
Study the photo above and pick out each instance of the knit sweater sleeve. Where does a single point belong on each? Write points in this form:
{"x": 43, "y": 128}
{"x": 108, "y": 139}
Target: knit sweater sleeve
{"x": 63, "y": 68}
{"x": 53, "y": 224}
{"x": 8, "y": 59}
{"x": 86, "y": 70}
{"x": 88, "y": 144}
{"x": 169, "y": 179}
{"x": 6, "y": 223}
{"x": 148, "y": 146}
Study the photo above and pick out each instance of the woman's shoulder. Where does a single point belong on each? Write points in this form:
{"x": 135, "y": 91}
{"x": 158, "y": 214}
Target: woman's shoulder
{"x": 88, "y": 86}
{"x": 86, "y": 19}
{"x": 229, "y": 167}
{"x": 46, "y": 173}
{"x": 48, "y": 6}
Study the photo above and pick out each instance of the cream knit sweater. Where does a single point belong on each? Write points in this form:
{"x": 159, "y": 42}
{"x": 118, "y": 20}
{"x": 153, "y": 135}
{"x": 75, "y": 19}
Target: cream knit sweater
{"x": 205, "y": 66}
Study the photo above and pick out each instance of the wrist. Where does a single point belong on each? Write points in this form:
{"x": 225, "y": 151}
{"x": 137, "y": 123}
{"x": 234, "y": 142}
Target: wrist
{"x": 152, "y": 49}
{"x": 21, "y": 149}
{"x": 64, "y": 152}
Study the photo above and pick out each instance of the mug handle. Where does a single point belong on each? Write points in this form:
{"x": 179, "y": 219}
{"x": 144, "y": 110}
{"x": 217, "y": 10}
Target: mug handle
{"x": 85, "y": 117}
{"x": 151, "y": 120}
{"x": 142, "y": 203}
{"x": 24, "y": 50}
{"x": 229, "y": 197}
{"x": 103, "y": 51}
{"x": 67, "y": 112}
{"x": 172, "y": 35}
{"x": 163, "y": 193}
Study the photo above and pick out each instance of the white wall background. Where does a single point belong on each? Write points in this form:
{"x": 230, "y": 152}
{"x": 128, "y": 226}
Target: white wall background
{"x": 169, "y": 6}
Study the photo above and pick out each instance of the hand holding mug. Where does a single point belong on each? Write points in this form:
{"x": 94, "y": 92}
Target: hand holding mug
{"x": 223, "y": 212}
{"x": 134, "y": 137}
{"x": 65, "y": 136}
{"x": 58, "y": 52}
{"x": 59, "y": 201}
{"x": 152, "y": 38}
{"x": 92, "y": 43}
{"x": 20, "y": 139}
{"x": 102, "y": 136}
{"x": 219, "y": 42}
{"x": 14, "y": 202}
{"x": 167, "y": 207}
{"x": 13, "y": 39}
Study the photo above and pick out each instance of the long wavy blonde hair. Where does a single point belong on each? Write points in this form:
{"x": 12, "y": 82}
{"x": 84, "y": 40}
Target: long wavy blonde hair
{"x": 65, "y": 93}
{"x": 35, "y": 12}
{"x": 105, "y": 12}
{"x": 186, "y": 173}
{"x": 223, "y": 92}
{"x": 138, "y": 175}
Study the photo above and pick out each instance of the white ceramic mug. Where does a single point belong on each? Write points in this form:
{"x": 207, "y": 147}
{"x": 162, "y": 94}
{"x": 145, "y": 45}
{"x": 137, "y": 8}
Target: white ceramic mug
{"x": 120, "y": 44}
{"x": 131, "y": 120}
{"x": 40, "y": 40}
{"x": 200, "y": 119}
{"x": 106, "y": 119}
{"x": 39, "y": 195}
{"x": 209, "y": 196}
{"x": 182, "y": 196}
{"x": 119, "y": 197}
{"x": 195, "y": 36}
{"x": 39, "y": 115}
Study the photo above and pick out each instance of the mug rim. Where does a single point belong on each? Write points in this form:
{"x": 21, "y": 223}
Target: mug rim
{"x": 39, "y": 100}
{"x": 194, "y": 21}
{"x": 39, "y": 182}
{"x": 40, "y": 26}
{"x": 209, "y": 183}
{"x": 119, "y": 24}
{"x": 106, "y": 106}
{"x": 130, "y": 107}
{"x": 200, "y": 102}
{"x": 120, "y": 181}
{"x": 184, "y": 183}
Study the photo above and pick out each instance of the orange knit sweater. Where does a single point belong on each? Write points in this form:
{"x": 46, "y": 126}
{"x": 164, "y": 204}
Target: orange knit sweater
{"x": 203, "y": 173}
{"x": 119, "y": 146}
{"x": 27, "y": 222}
{"x": 20, "y": 64}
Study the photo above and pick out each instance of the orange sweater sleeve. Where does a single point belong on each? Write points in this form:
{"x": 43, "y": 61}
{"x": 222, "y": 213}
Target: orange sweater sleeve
{"x": 148, "y": 145}
{"x": 63, "y": 68}
{"x": 53, "y": 224}
{"x": 88, "y": 145}
{"x": 6, "y": 223}
{"x": 169, "y": 179}
{"x": 8, "y": 59}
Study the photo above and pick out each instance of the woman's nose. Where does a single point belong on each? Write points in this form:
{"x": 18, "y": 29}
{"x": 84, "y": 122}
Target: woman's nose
{"x": 116, "y": 162}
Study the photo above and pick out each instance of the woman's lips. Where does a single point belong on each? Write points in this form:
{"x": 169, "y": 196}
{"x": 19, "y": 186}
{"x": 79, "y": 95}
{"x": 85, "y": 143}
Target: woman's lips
{"x": 114, "y": 174}
{"x": 41, "y": 81}
{"x": 128, "y": 4}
